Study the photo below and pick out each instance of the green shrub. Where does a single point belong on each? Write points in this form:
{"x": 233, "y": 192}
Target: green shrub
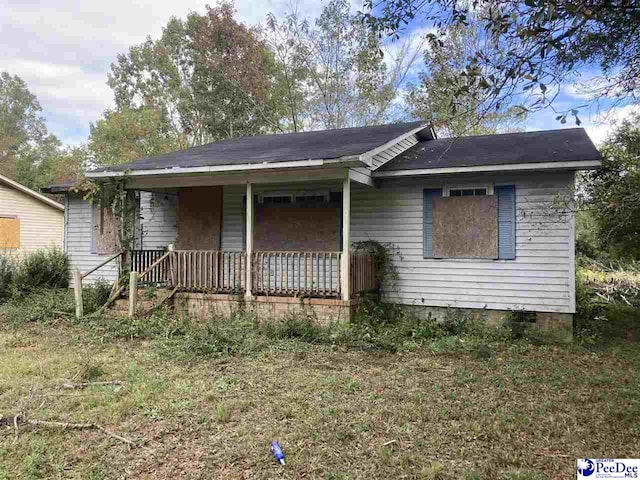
{"x": 46, "y": 306}
{"x": 7, "y": 278}
{"x": 42, "y": 269}
{"x": 95, "y": 296}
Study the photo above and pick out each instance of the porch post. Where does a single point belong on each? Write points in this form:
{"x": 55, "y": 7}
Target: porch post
{"x": 346, "y": 237}
{"x": 249, "y": 249}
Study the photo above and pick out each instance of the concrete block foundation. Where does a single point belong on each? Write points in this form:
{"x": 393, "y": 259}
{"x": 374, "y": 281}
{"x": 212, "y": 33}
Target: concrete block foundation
{"x": 204, "y": 305}
{"x": 326, "y": 310}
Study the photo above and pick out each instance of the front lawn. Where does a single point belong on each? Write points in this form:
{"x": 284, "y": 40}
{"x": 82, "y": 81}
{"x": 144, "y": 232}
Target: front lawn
{"x": 516, "y": 411}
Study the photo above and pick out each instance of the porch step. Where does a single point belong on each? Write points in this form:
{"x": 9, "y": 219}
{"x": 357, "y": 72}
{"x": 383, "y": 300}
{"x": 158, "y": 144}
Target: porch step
{"x": 121, "y": 305}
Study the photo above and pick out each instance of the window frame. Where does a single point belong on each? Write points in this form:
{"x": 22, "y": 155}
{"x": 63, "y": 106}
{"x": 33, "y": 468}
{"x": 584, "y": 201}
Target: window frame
{"x": 427, "y": 220}
{"x": 489, "y": 188}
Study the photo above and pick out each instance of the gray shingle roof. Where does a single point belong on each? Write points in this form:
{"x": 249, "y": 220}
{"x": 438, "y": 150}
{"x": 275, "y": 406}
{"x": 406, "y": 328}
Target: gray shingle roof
{"x": 318, "y": 145}
{"x": 565, "y": 145}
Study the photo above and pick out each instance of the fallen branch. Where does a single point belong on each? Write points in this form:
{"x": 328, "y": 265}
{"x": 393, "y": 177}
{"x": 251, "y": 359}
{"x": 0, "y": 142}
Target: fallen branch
{"x": 15, "y": 426}
{"x": 71, "y": 386}
{"x": 79, "y": 426}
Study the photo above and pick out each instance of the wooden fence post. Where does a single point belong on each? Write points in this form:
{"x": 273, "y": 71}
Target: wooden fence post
{"x": 133, "y": 293}
{"x": 77, "y": 290}
{"x": 173, "y": 277}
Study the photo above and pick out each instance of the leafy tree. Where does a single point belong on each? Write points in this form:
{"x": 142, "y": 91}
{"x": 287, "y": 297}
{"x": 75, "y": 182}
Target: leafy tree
{"x": 209, "y": 76}
{"x": 289, "y": 55}
{"x": 131, "y": 134}
{"x": 536, "y": 45}
{"x": 442, "y": 95}
{"x": 613, "y": 191}
{"x": 336, "y": 70}
{"x": 25, "y": 144}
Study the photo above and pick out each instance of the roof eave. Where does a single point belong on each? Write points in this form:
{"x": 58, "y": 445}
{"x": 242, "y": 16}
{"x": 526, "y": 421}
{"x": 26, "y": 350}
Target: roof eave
{"x": 31, "y": 193}
{"x": 512, "y": 167}
{"x": 347, "y": 161}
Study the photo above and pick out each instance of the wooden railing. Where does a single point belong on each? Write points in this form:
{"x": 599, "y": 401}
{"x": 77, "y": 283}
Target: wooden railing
{"x": 141, "y": 260}
{"x": 363, "y": 274}
{"x": 296, "y": 273}
{"x": 277, "y": 273}
{"x": 210, "y": 270}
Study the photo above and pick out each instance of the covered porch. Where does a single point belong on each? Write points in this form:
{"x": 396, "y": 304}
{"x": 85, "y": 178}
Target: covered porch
{"x": 293, "y": 240}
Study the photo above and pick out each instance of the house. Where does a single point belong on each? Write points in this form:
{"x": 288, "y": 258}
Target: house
{"x": 482, "y": 223}
{"x": 28, "y": 220}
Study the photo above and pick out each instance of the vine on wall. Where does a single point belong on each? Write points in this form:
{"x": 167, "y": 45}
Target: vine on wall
{"x": 113, "y": 194}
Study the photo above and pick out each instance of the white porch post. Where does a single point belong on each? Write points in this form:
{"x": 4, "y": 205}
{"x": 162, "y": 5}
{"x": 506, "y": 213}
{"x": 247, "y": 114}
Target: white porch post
{"x": 346, "y": 237}
{"x": 249, "y": 249}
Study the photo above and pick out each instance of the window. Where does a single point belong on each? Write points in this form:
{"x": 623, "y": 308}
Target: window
{"x": 304, "y": 198}
{"x": 470, "y": 222}
{"x": 105, "y": 236}
{"x": 311, "y": 198}
{"x": 9, "y": 231}
{"x": 276, "y": 199}
{"x": 467, "y": 192}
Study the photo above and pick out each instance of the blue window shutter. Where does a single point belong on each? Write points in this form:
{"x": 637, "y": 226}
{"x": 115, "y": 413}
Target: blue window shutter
{"x": 94, "y": 226}
{"x": 427, "y": 218}
{"x": 506, "y": 221}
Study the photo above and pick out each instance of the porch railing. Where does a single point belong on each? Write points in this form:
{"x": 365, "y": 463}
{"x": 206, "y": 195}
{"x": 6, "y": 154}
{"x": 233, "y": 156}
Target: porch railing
{"x": 210, "y": 270}
{"x": 141, "y": 260}
{"x": 276, "y": 273}
{"x": 363, "y": 274}
{"x": 291, "y": 273}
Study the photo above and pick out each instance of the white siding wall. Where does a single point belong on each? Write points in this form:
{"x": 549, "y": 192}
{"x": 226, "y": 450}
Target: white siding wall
{"x": 41, "y": 226}
{"x": 157, "y": 219}
{"x": 539, "y": 279}
{"x": 78, "y": 242}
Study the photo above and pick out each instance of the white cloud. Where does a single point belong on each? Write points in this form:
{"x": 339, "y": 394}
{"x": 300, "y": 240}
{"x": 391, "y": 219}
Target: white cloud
{"x": 601, "y": 125}
{"x": 63, "y": 48}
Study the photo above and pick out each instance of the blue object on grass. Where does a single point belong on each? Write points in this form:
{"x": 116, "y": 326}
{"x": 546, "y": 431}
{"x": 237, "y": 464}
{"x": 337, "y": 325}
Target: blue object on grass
{"x": 277, "y": 452}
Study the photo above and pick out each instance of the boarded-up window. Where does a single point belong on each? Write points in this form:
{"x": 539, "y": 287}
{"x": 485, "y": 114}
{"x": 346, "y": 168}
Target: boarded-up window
{"x": 9, "y": 232}
{"x": 473, "y": 225}
{"x": 296, "y": 228}
{"x": 465, "y": 227}
{"x": 199, "y": 218}
{"x": 105, "y": 237}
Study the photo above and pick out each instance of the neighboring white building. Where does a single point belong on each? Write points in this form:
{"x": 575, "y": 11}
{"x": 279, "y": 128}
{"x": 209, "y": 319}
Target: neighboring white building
{"x": 28, "y": 220}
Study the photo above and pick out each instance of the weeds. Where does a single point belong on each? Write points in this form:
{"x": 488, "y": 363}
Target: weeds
{"x": 42, "y": 269}
{"x": 7, "y": 278}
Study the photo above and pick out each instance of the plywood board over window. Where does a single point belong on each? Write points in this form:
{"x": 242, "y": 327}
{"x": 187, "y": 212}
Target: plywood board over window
{"x": 199, "y": 218}
{"x": 9, "y": 232}
{"x": 465, "y": 227}
{"x": 106, "y": 228}
{"x": 296, "y": 228}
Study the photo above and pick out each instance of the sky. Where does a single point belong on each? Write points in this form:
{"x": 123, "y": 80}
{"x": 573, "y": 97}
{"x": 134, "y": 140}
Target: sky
{"x": 63, "y": 50}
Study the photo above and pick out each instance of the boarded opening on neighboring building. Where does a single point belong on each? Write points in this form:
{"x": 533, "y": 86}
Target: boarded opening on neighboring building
{"x": 9, "y": 232}
{"x": 199, "y": 218}
{"x": 465, "y": 227}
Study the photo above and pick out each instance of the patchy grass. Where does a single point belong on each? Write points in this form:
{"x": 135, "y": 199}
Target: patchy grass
{"x": 521, "y": 412}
